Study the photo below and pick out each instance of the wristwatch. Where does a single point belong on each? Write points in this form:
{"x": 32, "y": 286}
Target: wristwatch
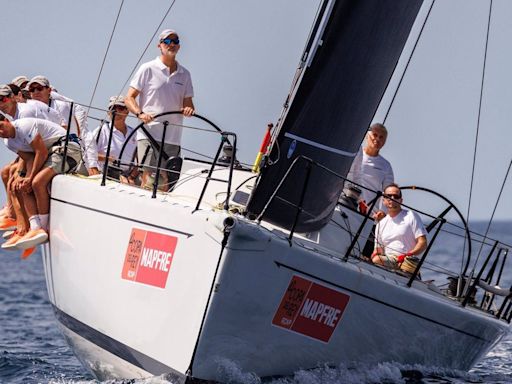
{"x": 138, "y": 114}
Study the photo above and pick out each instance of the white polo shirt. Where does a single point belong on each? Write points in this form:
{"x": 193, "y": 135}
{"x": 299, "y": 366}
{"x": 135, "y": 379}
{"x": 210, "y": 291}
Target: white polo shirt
{"x": 118, "y": 140}
{"x": 27, "y": 129}
{"x": 39, "y": 110}
{"x": 162, "y": 92}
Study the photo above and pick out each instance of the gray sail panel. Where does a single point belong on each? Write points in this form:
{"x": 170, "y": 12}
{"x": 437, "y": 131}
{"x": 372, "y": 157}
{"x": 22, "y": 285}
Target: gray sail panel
{"x": 333, "y": 107}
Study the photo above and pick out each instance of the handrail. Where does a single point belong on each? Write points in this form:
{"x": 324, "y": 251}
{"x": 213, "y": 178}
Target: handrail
{"x": 437, "y": 223}
{"x": 163, "y": 156}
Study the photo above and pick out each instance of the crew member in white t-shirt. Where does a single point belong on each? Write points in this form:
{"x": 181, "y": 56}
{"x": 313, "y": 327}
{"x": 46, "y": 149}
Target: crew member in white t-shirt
{"x": 400, "y": 234}
{"x": 39, "y": 88}
{"x": 12, "y": 215}
{"x": 33, "y": 139}
{"x": 370, "y": 169}
{"x": 161, "y": 85}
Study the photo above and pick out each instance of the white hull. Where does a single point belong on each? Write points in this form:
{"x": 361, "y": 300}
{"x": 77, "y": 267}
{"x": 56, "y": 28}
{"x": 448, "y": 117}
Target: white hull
{"x": 227, "y": 304}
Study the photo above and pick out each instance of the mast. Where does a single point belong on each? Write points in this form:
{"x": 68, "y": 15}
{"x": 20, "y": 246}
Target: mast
{"x": 347, "y": 65}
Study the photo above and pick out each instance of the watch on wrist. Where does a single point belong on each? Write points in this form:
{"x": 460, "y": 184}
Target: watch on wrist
{"x": 138, "y": 114}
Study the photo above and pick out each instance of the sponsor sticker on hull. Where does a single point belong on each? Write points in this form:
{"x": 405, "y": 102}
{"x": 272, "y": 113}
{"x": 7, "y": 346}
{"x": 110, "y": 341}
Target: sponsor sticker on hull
{"x": 311, "y": 309}
{"x": 148, "y": 257}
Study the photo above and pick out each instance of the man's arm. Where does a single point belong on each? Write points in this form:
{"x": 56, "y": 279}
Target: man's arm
{"x": 40, "y": 156}
{"x": 421, "y": 245}
{"x": 188, "y": 107}
{"x": 134, "y": 107}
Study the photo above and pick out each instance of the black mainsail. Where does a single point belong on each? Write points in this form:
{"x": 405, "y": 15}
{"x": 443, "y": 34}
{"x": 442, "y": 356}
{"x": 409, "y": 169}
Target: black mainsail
{"x": 348, "y": 63}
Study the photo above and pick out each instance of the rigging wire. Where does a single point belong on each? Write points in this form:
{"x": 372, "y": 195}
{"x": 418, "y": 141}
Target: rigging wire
{"x": 478, "y": 119}
{"x": 408, "y": 62}
{"x": 105, "y": 56}
{"x": 147, "y": 46}
{"x": 493, "y": 212}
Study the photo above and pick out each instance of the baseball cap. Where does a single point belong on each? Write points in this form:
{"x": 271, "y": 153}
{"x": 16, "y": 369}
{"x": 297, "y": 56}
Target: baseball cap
{"x": 39, "y": 79}
{"x": 19, "y": 80}
{"x": 5, "y": 90}
{"x": 116, "y": 100}
{"x": 167, "y": 32}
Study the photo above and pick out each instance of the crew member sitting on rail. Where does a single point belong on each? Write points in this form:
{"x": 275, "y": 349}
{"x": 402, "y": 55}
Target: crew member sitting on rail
{"x": 38, "y": 143}
{"x": 400, "y": 235}
{"x": 13, "y": 215}
{"x": 126, "y": 173}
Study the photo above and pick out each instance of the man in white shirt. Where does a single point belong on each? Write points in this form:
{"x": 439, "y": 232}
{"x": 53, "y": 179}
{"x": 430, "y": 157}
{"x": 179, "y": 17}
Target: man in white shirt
{"x": 120, "y": 134}
{"x": 400, "y": 234}
{"x": 161, "y": 85}
{"x": 12, "y": 214}
{"x": 40, "y": 89}
{"x": 370, "y": 169}
{"x": 34, "y": 140}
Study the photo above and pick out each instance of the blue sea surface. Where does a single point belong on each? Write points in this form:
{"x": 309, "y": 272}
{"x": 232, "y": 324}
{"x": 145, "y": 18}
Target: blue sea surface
{"x": 32, "y": 349}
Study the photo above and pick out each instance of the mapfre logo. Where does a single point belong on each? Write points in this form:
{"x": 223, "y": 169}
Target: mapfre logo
{"x": 310, "y": 309}
{"x": 148, "y": 257}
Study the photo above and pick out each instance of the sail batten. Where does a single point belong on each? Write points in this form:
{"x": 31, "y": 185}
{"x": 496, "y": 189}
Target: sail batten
{"x": 352, "y": 56}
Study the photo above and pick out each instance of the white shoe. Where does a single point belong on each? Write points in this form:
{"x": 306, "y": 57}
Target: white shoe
{"x": 32, "y": 238}
{"x": 7, "y": 234}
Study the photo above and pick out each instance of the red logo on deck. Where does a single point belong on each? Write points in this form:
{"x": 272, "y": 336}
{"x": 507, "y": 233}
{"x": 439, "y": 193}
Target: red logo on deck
{"x": 148, "y": 257}
{"x": 311, "y": 309}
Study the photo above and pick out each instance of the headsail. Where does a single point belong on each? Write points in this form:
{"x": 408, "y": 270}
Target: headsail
{"x": 350, "y": 58}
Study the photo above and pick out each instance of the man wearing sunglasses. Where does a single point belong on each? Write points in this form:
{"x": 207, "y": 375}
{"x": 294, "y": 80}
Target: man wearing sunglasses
{"x": 161, "y": 85}
{"x": 400, "y": 234}
{"x": 37, "y": 142}
{"x": 9, "y": 105}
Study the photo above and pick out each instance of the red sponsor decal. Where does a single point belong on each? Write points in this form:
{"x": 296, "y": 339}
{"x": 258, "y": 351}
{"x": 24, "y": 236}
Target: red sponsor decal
{"x": 148, "y": 257}
{"x": 310, "y": 309}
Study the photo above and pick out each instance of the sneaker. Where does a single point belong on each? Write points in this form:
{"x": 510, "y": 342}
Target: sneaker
{"x": 7, "y": 224}
{"x": 32, "y": 238}
{"x": 8, "y": 234}
{"x": 27, "y": 252}
{"x": 10, "y": 244}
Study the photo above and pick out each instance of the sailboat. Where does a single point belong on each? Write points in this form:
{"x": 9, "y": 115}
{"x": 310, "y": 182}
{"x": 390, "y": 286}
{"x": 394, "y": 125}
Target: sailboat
{"x": 264, "y": 270}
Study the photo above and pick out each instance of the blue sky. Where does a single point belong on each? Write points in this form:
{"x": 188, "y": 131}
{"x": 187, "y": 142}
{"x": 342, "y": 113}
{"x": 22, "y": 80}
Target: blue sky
{"x": 243, "y": 54}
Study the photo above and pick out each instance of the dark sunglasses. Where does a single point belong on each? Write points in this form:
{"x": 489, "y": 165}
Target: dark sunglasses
{"x": 392, "y": 196}
{"x": 119, "y": 108}
{"x": 36, "y": 89}
{"x": 168, "y": 41}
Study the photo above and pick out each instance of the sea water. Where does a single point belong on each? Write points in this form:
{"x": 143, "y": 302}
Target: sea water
{"x": 32, "y": 349}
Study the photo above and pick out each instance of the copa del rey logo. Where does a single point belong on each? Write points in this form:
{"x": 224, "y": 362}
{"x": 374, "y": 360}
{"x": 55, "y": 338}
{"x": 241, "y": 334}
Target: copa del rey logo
{"x": 310, "y": 309}
{"x": 148, "y": 257}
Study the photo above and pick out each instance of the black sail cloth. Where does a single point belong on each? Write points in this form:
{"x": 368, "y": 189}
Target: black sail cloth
{"x": 332, "y": 108}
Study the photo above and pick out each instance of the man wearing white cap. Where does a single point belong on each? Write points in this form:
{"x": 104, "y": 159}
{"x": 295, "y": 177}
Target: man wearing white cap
{"x": 14, "y": 214}
{"x": 36, "y": 141}
{"x": 120, "y": 134}
{"x": 161, "y": 85}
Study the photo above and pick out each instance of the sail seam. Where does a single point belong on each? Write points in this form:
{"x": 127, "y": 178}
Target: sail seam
{"x": 320, "y": 146}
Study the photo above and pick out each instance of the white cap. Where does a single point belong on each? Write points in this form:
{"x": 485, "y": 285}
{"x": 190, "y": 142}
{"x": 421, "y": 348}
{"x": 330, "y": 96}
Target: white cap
{"x": 5, "y": 90}
{"x": 19, "y": 80}
{"x": 166, "y": 33}
{"x": 116, "y": 100}
{"x": 39, "y": 79}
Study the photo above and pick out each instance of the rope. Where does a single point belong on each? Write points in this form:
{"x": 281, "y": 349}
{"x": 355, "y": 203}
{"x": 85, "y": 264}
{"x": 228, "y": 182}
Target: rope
{"x": 478, "y": 118}
{"x": 408, "y": 62}
{"x": 105, "y": 57}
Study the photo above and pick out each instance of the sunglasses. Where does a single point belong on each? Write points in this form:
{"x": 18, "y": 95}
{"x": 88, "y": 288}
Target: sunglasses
{"x": 36, "y": 89}
{"x": 168, "y": 41}
{"x": 119, "y": 108}
{"x": 392, "y": 196}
